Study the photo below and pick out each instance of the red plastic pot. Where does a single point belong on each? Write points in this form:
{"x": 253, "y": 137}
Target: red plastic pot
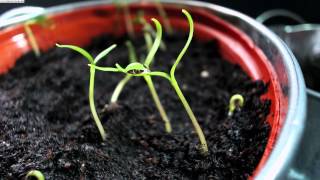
{"x": 78, "y": 24}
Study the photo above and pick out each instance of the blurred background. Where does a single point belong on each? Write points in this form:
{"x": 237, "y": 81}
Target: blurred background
{"x": 307, "y": 9}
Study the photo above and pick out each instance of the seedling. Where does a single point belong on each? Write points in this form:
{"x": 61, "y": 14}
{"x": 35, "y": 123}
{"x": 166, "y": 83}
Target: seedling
{"x": 133, "y": 58}
{"x": 131, "y": 52}
{"x": 41, "y": 20}
{"x": 148, "y": 31}
{"x": 236, "y": 102}
{"x": 164, "y": 16}
{"x": 92, "y": 61}
{"x": 128, "y": 21}
{"x": 123, "y": 5}
{"x": 35, "y": 174}
{"x": 148, "y": 79}
{"x": 138, "y": 69}
{"x": 117, "y": 22}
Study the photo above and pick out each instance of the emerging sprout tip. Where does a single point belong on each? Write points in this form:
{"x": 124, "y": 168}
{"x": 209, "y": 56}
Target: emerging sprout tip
{"x": 35, "y": 173}
{"x": 236, "y": 101}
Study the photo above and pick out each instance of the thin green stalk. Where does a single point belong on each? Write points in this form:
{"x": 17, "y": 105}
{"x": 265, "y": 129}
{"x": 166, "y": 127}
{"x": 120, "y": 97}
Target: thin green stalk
{"x": 150, "y": 57}
{"x": 131, "y": 52}
{"x": 92, "y": 105}
{"x": 36, "y": 174}
{"x": 155, "y": 45}
{"x": 174, "y": 83}
{"x": 148, "y": 39}
{"x": 148, "y": 79}
{"x": 204, "y": 146}
{"x": 32, "y": 39}
{"x": 164, "y": 16}
{"x": 39, "y": 20}
{"x": 159, "y": 106}
{"x": 118, "y": 89}
{"x": 185, "y": 48}
{"x": 149, "y": 31}
{"x": 93, "y": 62}
{"x": 117, "y": 14}
{"x": 203, "y": 142}
{"x": 129, "y": 24}
{"x": 132, "y": 58}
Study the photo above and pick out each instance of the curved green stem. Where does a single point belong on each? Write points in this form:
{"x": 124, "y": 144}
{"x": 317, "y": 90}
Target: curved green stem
{"x": 36, "y": 174}
{"x": 132, "y": 58}
{"x": 107, "y": 69}
{"x": 92, "y": 78}
{"x": 183, "y": 51}
{"x": 148, "y": 39}
{"x": 119, "y": 88}
{"x": 103, "y": 53}
{"x": 92, "y": 106}
{"x": 155, "y": 45}
{"x": 147, "y": 28}
{"x": 159, "y": 106}
{"x": 157, "y": 73}
{"x": 32, "y": 39}
{"x": 164, "y": 16}
{"x": 174, "y": 83}
{"x": 129, "y": 24}
{"x": 81, "y": 51}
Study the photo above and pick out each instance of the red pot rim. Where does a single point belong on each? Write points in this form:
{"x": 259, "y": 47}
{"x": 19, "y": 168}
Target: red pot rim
{"x": 71, "y": 28}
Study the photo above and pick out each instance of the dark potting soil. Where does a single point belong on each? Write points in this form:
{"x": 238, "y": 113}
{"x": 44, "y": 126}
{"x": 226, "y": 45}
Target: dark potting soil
{"x": 46, "y": 122}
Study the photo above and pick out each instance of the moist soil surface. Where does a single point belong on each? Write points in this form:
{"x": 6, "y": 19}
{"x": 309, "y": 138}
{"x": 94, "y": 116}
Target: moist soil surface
{"x": 46, "y": 122}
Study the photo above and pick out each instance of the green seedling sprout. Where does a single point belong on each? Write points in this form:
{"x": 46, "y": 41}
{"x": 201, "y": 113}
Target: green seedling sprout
{"x": 149, "y": 31}
{"x": 117, "y": 23}
{"x": 148, "y": 79}
{"x": 32, "y": 39}
{"x": 128, "y": 21}
{"x": 123, "y": 5}
{"x": 236, "y": 102}
{"x": 92, "y": 61}
{"x": 133, "y": 58}
{"x": 148, "y": 39}
{"x": 164, "y": 16}
{"x": 35, "y": 174}
{"x": 41, "y": 20}
{"x": 129, "y": 25}
{"x": 138, "y": 69}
